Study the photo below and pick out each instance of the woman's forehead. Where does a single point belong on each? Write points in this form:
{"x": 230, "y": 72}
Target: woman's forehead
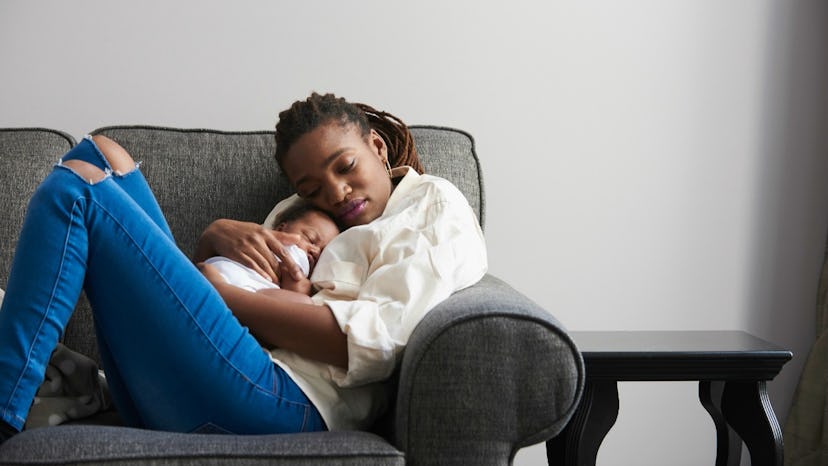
{"x": 317, "y": 149}
{"x": 327, "y": 139}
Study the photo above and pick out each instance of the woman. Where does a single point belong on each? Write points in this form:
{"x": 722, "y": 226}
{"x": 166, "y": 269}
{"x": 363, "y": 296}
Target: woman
{"x": 176, "y": 348}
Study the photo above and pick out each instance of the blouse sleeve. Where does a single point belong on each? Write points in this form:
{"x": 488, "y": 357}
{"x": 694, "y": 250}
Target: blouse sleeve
{"x": 381, "y": 289}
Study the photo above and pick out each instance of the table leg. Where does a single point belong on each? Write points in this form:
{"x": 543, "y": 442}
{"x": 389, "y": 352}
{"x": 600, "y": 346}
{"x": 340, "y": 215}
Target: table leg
{"x": 748, "y": 409}
{"x": 578, "y": 444}
{"x": 728, "y": 442}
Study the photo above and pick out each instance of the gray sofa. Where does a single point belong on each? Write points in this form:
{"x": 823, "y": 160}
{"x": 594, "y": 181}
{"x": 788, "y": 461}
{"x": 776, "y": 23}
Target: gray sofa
{"x": 485, "y": 373}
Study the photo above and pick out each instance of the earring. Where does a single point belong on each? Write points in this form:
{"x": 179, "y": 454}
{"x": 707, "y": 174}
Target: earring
{"x": 388, "y": 167}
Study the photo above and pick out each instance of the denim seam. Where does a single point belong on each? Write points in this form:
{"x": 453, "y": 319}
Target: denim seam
{"x": 36, "y": 336}
{"x": 306, "y": 414}
{"x": 274, "y": 390}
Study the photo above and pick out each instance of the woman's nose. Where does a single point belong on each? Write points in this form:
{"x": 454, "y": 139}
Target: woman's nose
{"x": 338, "y": 192}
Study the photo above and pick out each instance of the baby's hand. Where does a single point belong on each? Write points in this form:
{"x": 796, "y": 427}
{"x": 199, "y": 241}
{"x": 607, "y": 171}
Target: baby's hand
{"x": 288, "y": 282}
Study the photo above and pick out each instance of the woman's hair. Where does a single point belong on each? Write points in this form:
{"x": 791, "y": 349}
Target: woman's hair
{"x": 307, "y": 115}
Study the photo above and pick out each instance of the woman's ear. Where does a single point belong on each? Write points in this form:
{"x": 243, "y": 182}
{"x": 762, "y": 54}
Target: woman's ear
{"x": 377, "y": 143}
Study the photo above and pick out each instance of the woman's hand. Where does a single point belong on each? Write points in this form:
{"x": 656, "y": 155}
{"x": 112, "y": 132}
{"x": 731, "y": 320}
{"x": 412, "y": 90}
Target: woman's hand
{"x": 251, "y": 245}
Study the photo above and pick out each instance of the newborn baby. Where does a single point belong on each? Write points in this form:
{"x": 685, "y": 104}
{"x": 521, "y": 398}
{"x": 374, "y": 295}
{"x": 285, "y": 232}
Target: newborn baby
{"x": 317, "y": 228}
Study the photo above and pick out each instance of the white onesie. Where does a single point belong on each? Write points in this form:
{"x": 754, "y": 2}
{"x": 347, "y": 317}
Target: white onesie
{"x": 247, "y": 278}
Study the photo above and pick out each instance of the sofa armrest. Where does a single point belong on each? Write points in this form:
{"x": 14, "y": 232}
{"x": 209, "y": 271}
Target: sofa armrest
{"x": 485, "y": 373}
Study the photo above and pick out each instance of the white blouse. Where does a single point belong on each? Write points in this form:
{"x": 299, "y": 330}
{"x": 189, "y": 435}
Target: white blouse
{"x": 379, "y": 280}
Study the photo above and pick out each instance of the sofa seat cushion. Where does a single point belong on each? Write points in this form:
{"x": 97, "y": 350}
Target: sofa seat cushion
{"x": 82, "y": 445}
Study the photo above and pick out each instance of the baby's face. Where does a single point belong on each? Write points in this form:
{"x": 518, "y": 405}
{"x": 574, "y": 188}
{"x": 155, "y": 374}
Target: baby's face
{"x": 317, "y": 228}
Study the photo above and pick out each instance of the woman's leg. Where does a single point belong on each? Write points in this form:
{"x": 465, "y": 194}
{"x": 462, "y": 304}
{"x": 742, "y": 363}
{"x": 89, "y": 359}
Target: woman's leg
{"x": 102, "y": 153}
{"x": 109, "y": 156}
{"x": 184, "y": 359}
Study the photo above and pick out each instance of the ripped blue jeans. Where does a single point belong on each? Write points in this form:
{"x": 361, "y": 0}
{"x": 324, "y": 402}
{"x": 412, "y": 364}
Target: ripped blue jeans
{"x": 175, "y": 357}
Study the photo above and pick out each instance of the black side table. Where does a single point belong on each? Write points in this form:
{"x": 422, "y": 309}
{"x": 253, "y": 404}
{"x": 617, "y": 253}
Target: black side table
{"x": 732, "y": 368}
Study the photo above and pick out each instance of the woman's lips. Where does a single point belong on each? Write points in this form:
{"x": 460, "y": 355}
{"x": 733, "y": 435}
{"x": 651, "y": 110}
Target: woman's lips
{"x": 352, "y": 210}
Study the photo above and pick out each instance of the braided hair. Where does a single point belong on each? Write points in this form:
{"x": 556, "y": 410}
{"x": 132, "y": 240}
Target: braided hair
{"x": 306, "y": 115}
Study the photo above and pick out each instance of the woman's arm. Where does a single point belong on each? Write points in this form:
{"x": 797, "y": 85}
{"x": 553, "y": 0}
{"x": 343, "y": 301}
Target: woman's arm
{"x": 286, "y": 295}
{"x": 251, "y": 245}
{"x": 307, "y": 329}
{"x": 287, "y": 320}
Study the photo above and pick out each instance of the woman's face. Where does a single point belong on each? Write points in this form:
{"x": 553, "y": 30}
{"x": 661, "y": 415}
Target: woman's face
{"x": 340, "y": 172}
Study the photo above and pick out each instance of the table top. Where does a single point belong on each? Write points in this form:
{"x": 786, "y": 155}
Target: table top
{"x": 678, "y": 355}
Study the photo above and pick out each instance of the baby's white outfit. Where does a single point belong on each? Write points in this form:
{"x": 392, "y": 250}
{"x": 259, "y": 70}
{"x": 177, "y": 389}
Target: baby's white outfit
{"x": 244, "y": 277}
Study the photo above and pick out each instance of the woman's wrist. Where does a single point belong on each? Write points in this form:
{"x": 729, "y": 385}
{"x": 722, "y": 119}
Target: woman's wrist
{"x": 206, "y": 244}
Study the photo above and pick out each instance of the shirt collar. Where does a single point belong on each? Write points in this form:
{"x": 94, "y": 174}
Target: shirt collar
{"x": 406, "y": 184}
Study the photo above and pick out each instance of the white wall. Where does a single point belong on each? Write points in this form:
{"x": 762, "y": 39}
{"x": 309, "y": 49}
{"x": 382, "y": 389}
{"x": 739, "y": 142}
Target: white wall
{"x": 648, "y": 164}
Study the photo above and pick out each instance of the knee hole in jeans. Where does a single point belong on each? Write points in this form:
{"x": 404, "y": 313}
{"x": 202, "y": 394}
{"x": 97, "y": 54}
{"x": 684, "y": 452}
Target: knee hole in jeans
{"x": 118, "y": 158}
{"x": 85, "y": 170}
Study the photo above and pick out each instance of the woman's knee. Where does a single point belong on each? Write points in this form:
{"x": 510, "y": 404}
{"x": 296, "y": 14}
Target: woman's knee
{"x": 119, "y": 159}
{"x": 85, "y": 170}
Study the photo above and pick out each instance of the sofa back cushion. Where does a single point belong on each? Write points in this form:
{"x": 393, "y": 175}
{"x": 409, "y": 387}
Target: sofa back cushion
{"x": 26, "y": 157}
{"x": 200, "y": 175}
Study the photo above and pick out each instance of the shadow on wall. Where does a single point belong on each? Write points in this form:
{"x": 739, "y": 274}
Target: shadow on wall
{"x": 790, "y": 206}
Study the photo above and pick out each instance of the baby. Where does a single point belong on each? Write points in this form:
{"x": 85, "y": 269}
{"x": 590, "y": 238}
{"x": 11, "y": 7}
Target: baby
{"x": 315, "y": 226}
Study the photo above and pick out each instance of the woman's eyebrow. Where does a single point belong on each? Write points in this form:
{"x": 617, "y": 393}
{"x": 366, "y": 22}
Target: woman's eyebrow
{"x": 328, "y": 160}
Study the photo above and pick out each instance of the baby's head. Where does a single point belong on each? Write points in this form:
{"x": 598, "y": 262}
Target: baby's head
{"x": 311, "y": 223}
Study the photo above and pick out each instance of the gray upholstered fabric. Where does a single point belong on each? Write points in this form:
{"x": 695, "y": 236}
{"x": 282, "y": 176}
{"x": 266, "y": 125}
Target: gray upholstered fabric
{"x": 450, "y": 153}
{"x": 26, "y": 156}
{"x": 201, "y": 175}
{"x": 484, "y": 374}
{"x": 87, "y": 445}
{"x": 462, "y": 387}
